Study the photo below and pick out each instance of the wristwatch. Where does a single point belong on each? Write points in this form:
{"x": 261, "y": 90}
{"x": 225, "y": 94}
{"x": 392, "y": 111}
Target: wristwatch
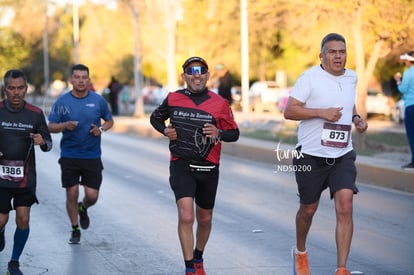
{"x": 354, "y": 116}
{"x": 101, "y": 129}
{"x": 219, "y": 134}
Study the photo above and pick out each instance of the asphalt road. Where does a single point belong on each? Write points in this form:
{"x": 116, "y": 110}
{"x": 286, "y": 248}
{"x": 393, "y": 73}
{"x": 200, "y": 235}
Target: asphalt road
{"x": 133, "y": 226}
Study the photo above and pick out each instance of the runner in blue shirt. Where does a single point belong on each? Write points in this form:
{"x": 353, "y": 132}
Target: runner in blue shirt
{"x": 77, "y": 115}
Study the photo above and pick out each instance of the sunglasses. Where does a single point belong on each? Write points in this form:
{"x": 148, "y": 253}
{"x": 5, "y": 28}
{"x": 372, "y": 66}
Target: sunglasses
{"x": 196, "y": 69}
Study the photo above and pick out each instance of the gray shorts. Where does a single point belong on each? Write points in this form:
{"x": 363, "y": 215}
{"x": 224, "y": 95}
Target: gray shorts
{"x": 339, "y": 173}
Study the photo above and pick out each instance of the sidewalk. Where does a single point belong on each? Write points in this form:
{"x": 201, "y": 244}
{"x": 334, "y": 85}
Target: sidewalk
{"x": 384, "y": 170}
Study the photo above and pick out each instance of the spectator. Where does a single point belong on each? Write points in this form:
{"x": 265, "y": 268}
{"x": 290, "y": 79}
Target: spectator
{"x": 406, "y": 87}
{"x": 225, "y": 82}
{"x": 114, "y": 90}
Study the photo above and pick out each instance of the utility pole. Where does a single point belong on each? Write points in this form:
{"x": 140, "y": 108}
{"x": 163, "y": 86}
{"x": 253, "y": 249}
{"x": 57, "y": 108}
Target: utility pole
{"x": 139, "y": 102}
{"x": 173, "y": 13}
{"x": 46, "y": 51}
{"x": 245, "y": 59}
{"x": 76, "y": 31}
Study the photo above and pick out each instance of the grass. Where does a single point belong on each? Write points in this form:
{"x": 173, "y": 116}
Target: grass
{"x": 381, "y": 142}
{"x": 282, "y": 136}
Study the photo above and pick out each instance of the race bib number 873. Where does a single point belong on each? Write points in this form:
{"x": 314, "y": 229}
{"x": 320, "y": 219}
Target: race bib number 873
{"x": 335, "y": 135}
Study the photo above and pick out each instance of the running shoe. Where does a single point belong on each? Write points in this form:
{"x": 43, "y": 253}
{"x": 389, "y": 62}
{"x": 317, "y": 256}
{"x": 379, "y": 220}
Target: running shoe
{"x": 199, "y": 267}
{"x": 13, "y": 268}
{"x": 190, "y": 271}
{"x": 83, "y": 216}
{"x": 300, "y": 263}
{"x": 409, "y": 166}
{"x": 75, "y": 236}
{"x": 342, "y": 271}
{"x": 2, "y": 241}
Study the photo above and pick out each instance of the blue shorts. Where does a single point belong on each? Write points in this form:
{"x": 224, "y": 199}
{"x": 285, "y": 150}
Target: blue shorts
{"x": 339, "y": 173}
{"x": 86, "y": 172}
{"x": 20, "y": 196}
{"x": 196, "y": 181}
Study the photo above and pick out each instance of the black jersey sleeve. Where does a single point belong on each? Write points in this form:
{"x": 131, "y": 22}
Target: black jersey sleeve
{"x": 44, "y": 131}
{"x": 159, "y": 116}
{"x": 230, "y": 135}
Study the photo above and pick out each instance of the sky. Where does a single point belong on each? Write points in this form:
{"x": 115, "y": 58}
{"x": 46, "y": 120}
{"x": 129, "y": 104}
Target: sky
{"x": 6, "y": 15}
{"x": 110, "y": 3}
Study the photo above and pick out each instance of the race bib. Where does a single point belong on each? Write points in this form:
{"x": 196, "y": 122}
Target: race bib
{"x": 335, "y": 135}
{"x": 12, "y": 170}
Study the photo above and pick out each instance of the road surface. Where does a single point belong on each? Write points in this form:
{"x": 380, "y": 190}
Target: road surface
{"x": 133, "y": 226}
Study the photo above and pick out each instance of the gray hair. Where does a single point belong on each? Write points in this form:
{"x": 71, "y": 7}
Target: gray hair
{"x": 331, "y": 37}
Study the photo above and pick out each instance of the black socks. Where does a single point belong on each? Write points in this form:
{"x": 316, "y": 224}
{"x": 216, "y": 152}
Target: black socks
{"x": 198, "y": 255}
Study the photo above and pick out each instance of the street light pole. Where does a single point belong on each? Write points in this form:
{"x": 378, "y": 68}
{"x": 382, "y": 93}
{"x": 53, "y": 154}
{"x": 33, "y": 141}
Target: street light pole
{"x": 245, "y": 59}
{"x": 171, "y": 11}
{"x": 46, "y": 51}
{"x": 139, "y": 102}
{"x": 76, "y": 30}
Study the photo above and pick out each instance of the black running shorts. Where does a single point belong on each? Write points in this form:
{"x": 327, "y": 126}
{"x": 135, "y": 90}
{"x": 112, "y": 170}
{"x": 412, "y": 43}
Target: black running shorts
{"x": 86, "y": 172}
{"x": 20, "y": 196}
{"x": 196, "y": 181}
{"x": 321, "y": 173}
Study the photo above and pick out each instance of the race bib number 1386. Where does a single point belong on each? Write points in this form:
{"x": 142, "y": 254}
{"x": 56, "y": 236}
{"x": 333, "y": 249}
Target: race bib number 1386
{"x": 12, "y": 170}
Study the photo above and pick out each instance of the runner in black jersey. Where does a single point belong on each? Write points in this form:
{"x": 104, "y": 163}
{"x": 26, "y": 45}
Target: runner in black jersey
{"x": 22, "y": 126}
{"x": 199, "y": 120}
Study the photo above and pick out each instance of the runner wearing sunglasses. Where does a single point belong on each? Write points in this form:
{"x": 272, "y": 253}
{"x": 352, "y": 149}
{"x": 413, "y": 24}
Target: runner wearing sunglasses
{"x": 22, "y": 127}
{"x": 199, "y": 121}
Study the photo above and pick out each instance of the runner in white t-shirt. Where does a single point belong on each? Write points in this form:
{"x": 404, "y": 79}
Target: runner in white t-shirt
{"x": 323, "y": 99}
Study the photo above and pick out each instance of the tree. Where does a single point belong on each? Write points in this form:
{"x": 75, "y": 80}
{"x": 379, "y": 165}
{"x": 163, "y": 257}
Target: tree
{"x": 282, "y": 34}
{"x": 14, "y": 50}
{"x": 374, "y": 30}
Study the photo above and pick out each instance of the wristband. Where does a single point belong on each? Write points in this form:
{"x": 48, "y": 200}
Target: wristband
{"x": 101, "y": 129}
{"x": 354, "y": 116}
{"x": 219, "y": 134}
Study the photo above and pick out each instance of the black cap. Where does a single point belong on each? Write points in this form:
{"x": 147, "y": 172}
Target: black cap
{"x": 194, "y": 59}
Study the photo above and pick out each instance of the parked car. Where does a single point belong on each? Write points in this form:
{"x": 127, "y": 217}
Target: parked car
{"x": 263, "y": 96}
{"x": 126, "y": 94}
{"x": 158, "y": 95}
{"x": 146, "y": 93}
{"x": 377, "y": 103}
{"x": 398, "y": 111}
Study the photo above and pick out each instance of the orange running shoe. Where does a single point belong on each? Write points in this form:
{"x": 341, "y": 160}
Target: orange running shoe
{"x": 300, "y": 263}
{"x": 342, "y": 271}
{"x": 199, "y": 267}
